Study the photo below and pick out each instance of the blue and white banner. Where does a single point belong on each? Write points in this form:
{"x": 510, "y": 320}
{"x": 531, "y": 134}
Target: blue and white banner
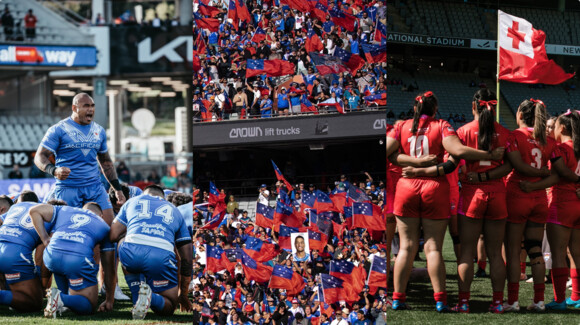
{"x": 53, "y": 56}
{"x": 40, "y": 186}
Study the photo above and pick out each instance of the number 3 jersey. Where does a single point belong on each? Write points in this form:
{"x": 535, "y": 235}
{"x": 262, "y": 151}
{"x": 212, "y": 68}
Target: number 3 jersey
{"x": 427, "y": 141}
{"x": 152, "y": 221}
{"x": 78, "y": 231}
{"x": 532, "y": 153}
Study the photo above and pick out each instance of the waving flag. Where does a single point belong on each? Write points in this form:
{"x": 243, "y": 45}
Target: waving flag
{"x": 208, "y": 10}
{"x": 380, "y": 33}
{"x": 215, "y": 197}
{"x": 357, "y": 195}
{"x": 379, "y": 98}
{"x": 313, "y": 42}
{"x": 216, "y": 219}
{"x": 333, "y": 289}
{"x": 264, "y": 216}
{"x": 354, "y": 277}
{"x": 284, "y": 234}
{"x": 300, "y": 5}
{"x": 339, "y": 199}
{"x": 231, "y": 257}
{"x": 272, "y": 68}
{"x": 259, "y": 35}
{"x": 342, "y": 19}
{"x": 255, "y": 271}
{"x": 323, "y": 202}
{"x": 280, "y": 177}
{"x": 369, "y": 216}
{"x": 321, "y": 222}
{"x": 375, "y": 53}
{"x": 335, "y": 103}
{"x": 285, "y": 278}
{"x": 238, "y": 12}
{"x": 317, "y": 240}
{"x": 339, "y": 228}
{"x": 327, "y": 64}
{"x": 259, "y": 250}
{"x": 308, "y": 200}
{"x": 377, "y": 275}
{"x": 214, "y": 258}
{"x": 211, "y": 24}
{"x": 306, "y": 105}
{"x": 285, "y": 214}
{"x": 319, "y": 10}
{"x": 522, "y": 53}
{"x": 352, "y": 61}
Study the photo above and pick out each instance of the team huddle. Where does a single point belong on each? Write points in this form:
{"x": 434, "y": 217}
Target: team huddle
{"x": 82, "y": 229}
{"x": 514, "y": 186}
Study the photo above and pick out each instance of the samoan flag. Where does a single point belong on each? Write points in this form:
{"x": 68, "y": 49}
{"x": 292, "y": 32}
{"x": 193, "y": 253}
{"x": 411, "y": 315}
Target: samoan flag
{"x": 285, "y": 278}
{"x": 378, "y": 274}
{"x": 285, "y": 214}
{"x": 320, "y": 11}
{"x": 342, "y": 19}
{"x": 335, "y": 103}
{"x": 272, "y": 68}
{"x": 333, "y": 289}
{"x": 230, "y": 258}
{"x": 208, "y": 10}
{"x": 308, "y": 200}
{"x": 357, "y": 195}
{"x": 353, "y": 277}
{"x": 216, "y": 219}
{"x": 313, "y": 42}
{"x": 323, "y": 202}
{"x": 353, "y": 61}
{"x": 284, "y": 236}
{"x": 255, "y": 271}
{"x": 341, "y": 269}
{"x": 322, "y": 221}
{"x": 375, "y": 53}
{"x": 317, "y": 240}
{"x": 327, "y": 64}
{"x": 309, "y": 81}
{"x": 306, "y": 105}
{"x": 380, "y": 33}
{"x": 380, "y": 98}
{"x": 259, "y": 250}
{"x": 259, "y": 35}
{"x": 214, "y": 258}
{"x": 264, "y": 216}
{"x": 339, "y": 198}
{"x": 214, "y": 195}
{"x": 368, "y": 216}
{"x": 280, "y": 177}
{"x": 211, "y": 24}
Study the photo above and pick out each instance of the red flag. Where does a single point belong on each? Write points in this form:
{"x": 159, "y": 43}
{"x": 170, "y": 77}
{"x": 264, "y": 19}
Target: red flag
{"x": 334, "y": 102}
{"x": 339, "y": 229}
{"x": 317, "y": 240}
{"x": 259, "y": 250}
{"x": 212, "y": 24}
{"x": 522, "y": 53}
{"x": 280, "y": 177}
{"x": 342, "y": 19}
{"x": 319, "y": 10}
{"x": 259, "y": 35}
{"x": 214, "y": 256}
{"x": 208, "y": 10}
{"x": 238, "y": 12}
{"x": 285, "y": 278}
{"x": 369, "y": 216}
{"x": 339, "y": 200}
{"x": 254, "y": 270}
{"x": 272, "y": 68}
{"x": 300, "y": 5}
{"x": 313, "y": 42}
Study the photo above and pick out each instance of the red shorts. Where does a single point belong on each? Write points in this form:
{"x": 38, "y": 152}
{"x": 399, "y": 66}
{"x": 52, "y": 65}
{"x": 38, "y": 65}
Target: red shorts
{"x": 522, "y": 207}
{"x": 564, "y": 209}
{"x": 392, "y": 179}
{"x": 422, "y": 198}
{"x": 454, "y": 199}
{"x": 480, "y": 203}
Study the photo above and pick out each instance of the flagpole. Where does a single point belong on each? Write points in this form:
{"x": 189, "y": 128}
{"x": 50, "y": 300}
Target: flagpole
{"x": 370, "y": 270}
{"x": 497, "y": 74}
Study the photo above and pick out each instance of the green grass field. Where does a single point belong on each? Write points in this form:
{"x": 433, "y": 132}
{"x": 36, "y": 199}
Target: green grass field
{"x": 120, "y": 315}
{"x": 420, "y": 298}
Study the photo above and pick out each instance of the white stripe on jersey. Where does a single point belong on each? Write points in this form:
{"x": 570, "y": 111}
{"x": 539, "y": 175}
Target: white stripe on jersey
{"x": 140, "y": 239}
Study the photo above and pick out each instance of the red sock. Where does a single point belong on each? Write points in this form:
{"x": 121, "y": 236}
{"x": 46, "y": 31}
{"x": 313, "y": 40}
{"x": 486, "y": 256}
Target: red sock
{"x": 482, "y": 264}
{"x": 513, "y": 292}
{"x": 539, "y": 292}
{"x": 464, "y": 297}
{"x": 575, "y": 284}
{"x": 559, "y": 278}
{"x": 523, "y": 267}
{"x": 497, "y": 297}
{"x": 440, "y": 296}
{"x": 400, "y": 296}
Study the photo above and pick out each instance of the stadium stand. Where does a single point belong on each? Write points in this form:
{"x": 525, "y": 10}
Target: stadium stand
{"x": 24, "y": 132}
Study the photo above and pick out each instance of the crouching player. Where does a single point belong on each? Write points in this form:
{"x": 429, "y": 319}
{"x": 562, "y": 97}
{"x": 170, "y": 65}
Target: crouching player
{"x": 69, "y": 255}
{"x": 17, "y": 241}
{"x": 148, "y": 228}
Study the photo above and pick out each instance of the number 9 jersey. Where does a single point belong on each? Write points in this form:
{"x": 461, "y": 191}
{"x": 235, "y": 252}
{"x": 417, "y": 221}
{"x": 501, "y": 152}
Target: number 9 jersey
{"x": 422, "y": 197}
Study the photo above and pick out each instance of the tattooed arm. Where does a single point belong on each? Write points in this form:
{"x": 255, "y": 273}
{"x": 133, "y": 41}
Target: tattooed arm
{"x": 111, "y": 175}
{"x": 42, "y": 161}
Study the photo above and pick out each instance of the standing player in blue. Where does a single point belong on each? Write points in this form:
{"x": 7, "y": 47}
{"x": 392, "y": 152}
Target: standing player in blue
{"x": 69, "y": 256}
{"x": 79, "y": 146}
{"x": 17, "y": 241}
{"x": 148, "y": 229}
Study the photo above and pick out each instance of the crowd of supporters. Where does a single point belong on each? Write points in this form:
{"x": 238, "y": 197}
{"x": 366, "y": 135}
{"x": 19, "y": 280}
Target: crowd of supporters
{"x": 223, "y": 44}
{"x": 247, "y": 273}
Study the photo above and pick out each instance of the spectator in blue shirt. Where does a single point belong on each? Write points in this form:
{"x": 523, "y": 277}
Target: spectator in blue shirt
{"x": 283, "y": 102}
{"x": 266, "y": 106}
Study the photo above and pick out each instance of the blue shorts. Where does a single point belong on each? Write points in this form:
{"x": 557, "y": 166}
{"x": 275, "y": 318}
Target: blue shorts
{"x": 16, "y": 262}
{"x": 79, "y": 196}
{"x": 80, "y": 271}
{"x": 159, "y": 266}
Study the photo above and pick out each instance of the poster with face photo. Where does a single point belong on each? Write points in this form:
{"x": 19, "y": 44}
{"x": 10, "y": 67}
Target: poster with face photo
{"x": 300, "y": 246}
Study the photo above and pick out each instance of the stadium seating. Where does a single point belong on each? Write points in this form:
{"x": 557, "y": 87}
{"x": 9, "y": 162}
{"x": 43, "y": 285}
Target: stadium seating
{"x": 467, "y": 20}
{"x": 51, "y": 28}
{"x": 24, "y": 132}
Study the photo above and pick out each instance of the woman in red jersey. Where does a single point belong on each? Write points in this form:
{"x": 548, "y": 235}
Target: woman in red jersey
{"x": 563, "y": 224}
{"x": 423, "y": 201}
{"x": 484, "y": 203}
{"x": 527, "y": 212}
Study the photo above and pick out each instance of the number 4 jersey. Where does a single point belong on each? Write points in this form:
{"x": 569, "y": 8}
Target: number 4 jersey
{"x": 427, "y": 141}
{"x": 152, "y": 221}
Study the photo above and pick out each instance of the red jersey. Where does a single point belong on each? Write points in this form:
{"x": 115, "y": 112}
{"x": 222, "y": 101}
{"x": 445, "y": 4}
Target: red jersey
{"x": 532, "y": 153}
{"x": 427, "y": 141}
{"x": 468, "y": 135}
{"x": 392, "y": 167}
{"x": 566, "y": 190}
